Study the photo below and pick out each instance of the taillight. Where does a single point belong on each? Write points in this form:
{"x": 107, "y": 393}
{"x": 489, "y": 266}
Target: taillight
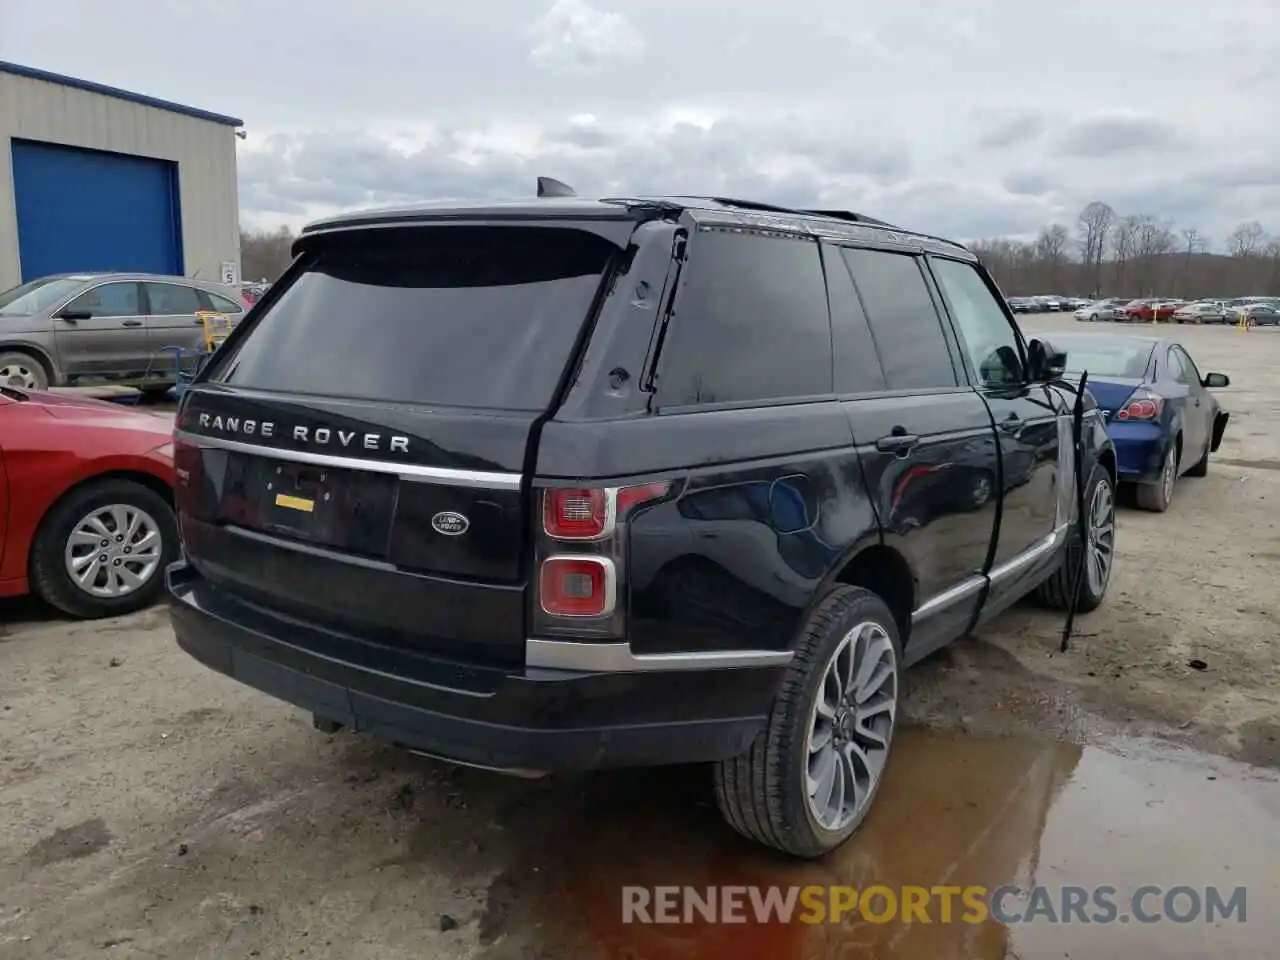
{"x": 570, "y": 586}
{"x": 1141, "y": 405}
{"x": 577, "y": 514}
{"x": 581, "y": 557}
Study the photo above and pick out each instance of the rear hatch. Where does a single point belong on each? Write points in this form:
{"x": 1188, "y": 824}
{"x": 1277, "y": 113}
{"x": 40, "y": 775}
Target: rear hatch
{"x": 355, "y": 460}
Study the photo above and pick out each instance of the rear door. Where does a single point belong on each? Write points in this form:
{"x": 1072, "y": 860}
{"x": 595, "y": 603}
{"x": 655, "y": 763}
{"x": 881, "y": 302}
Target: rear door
{"x": 103, "y": 331}
{"x": 924, "y": 437}
{"x": 1033, "y": 433}
{"x": 355, "y": 457}
{"x": 171, "y": 316}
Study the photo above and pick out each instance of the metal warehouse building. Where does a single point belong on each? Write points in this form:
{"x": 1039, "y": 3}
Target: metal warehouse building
{"x": 96, "y": 179}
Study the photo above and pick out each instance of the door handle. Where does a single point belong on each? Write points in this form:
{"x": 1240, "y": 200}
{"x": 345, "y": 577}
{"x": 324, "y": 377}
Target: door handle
{"x": 899, "y": 442}
{"x": 131, "y": 323}
{"x": 1011, "y": 424}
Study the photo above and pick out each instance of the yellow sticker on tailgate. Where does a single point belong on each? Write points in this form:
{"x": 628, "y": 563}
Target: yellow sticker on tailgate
{"x": 295, "y": 503}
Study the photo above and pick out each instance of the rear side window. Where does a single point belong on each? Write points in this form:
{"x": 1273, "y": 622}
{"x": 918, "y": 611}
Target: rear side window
{"x": 457, "y": 316}
{"x": 904, "y": 322}
{"x": 170, "y": 298}
{"x": 212, "y": 301}
{"x": 750, "y": 323}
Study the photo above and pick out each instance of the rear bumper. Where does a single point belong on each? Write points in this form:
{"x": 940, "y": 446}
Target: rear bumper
{"x": 1140, "y": 449}
{"x": 530, "y": 719}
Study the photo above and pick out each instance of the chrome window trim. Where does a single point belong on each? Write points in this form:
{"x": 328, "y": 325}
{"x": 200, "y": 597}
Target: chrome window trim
{"x": 448, "y": 476}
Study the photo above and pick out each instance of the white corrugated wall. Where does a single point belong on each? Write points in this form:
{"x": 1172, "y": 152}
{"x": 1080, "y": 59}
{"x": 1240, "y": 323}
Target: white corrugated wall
{"x": 204, "y": 151}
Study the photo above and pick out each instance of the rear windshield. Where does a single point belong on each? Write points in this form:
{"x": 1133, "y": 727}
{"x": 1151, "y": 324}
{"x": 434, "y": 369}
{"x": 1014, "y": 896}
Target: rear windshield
{"x": 456, "y": 316}
{"x": 1108, "y": 359}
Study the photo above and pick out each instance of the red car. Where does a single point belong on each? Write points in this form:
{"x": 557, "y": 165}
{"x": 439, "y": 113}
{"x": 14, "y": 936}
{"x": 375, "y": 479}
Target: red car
{"x": 1144, "y": 311}
{"x": 86, "y": 520}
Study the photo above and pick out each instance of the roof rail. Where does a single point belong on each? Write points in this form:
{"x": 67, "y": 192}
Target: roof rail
{"x": 850, "y": 216}
{"x": 551, "y": 187}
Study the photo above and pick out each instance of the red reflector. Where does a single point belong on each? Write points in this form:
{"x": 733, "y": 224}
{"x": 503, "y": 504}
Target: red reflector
{"x": 630, "y": 497}
{"x": 576, "y": 586}
{"x": 575, "y": 514}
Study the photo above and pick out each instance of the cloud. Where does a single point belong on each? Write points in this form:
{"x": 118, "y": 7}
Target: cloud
{"x": 574, "y": 37}
{"x": 1028, "y": 183}
{"x": 1107, "y": 134}
{"x": 1012, "y": 131}
{"x": 969, "y": 119}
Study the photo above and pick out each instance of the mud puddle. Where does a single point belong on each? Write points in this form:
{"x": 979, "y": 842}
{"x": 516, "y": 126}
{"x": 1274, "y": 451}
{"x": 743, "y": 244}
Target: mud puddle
{"x": 956, "y": 812}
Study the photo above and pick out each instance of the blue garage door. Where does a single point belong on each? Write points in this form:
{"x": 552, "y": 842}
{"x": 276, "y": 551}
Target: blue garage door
{"x": 86, "y": 210}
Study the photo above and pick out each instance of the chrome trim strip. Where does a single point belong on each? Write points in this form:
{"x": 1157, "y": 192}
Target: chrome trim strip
{"x": 447, "y": 476}
{"x": 610, "y": 584}
{"x": 953, "y": 595}
{"x": 1029, "y": 556}
{"x": 971, "y": 585}
{"x": 592, "y": 657}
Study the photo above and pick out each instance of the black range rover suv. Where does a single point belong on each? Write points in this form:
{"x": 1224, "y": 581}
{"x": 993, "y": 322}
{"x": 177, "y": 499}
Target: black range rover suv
{"x": 566, "y": 484}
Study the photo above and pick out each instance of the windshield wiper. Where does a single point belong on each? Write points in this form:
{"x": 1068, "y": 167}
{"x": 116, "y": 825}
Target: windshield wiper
{"x": 14, "y": 394}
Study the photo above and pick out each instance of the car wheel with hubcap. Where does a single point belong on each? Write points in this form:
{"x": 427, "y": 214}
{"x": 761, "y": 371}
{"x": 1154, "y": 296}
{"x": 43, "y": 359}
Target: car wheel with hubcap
{"x": 1099, "y": 550}
{"x": 23, "y": 371}
{"x": 1157, "y": 496}
{"x": 812, "y": 774}
{"x": 102, "y": 549}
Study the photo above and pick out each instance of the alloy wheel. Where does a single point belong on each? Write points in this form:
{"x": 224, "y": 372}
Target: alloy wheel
{"x": 1169, "y": 474}
{"x": 1101, "y": 545}
{"x": 114, "y": 551}
{"x": 19, "y": 374}
{"x": 851, "y": 726}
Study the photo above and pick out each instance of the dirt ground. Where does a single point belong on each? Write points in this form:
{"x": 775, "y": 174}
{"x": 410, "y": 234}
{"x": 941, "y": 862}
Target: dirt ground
{"x": 150, "y": 808}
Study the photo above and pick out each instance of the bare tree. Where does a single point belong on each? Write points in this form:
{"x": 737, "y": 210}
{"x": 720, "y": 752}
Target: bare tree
{"x": 1192, "y": 243}
{"x": 1137, "y": 255}
{"x": 264, "y": 255}
{"x": 1051, "y": 249}
{"x": 1093, "y": 225}
{"x": 1123, "y": 243}
{"x": 1246, "y": 239}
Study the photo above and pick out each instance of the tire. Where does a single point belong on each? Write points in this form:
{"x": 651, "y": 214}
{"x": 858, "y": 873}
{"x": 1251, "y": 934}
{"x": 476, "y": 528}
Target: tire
{"x": 97, "y": 504}
{"x": 1157, "y": 496}
{"x": 18, "y": 369}
{"x": 1055, "y": 593}
{"x": 764, "y": 794}
{"x": 1093, "y": 318}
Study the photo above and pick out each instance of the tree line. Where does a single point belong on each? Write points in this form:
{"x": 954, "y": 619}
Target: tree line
{"x": 1134, "y": 255}
{"x": 1107, "y": 255}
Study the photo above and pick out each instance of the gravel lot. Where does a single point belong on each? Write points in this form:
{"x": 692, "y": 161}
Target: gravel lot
{"x": 150, "y": 808}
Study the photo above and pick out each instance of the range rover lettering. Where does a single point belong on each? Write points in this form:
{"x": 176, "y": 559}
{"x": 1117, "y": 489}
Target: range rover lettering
{"x": 566, "y": 484}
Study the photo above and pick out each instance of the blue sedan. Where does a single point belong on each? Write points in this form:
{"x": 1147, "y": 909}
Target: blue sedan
{"x": 1158, "y": 408}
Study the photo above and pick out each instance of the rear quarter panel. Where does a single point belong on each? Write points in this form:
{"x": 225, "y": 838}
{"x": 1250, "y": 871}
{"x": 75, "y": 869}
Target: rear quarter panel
{"x": 45, "y": 456}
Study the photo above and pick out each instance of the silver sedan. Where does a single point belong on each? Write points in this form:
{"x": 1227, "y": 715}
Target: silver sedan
{"x": 57, "y": 330}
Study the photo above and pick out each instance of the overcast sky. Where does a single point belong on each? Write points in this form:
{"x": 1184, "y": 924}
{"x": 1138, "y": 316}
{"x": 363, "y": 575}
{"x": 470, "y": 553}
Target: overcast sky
{"x": 971, "y": 118}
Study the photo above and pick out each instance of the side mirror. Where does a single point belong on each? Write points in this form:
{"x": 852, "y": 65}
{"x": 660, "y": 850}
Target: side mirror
{"x": 1046, "y": 362}
{"x": 71, "y": 316}
{"x": 1216, "y": 380}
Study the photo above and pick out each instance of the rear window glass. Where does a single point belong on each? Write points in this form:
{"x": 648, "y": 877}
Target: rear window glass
{"x": 456, "y": 316}
{"x": 1107, "y": 359}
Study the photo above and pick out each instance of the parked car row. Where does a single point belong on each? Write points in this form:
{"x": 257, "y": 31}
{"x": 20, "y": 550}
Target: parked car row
{"x": 1261, "y": 311}
{"x": 60, "y": 330}
{"x": 1045, "y": 304}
